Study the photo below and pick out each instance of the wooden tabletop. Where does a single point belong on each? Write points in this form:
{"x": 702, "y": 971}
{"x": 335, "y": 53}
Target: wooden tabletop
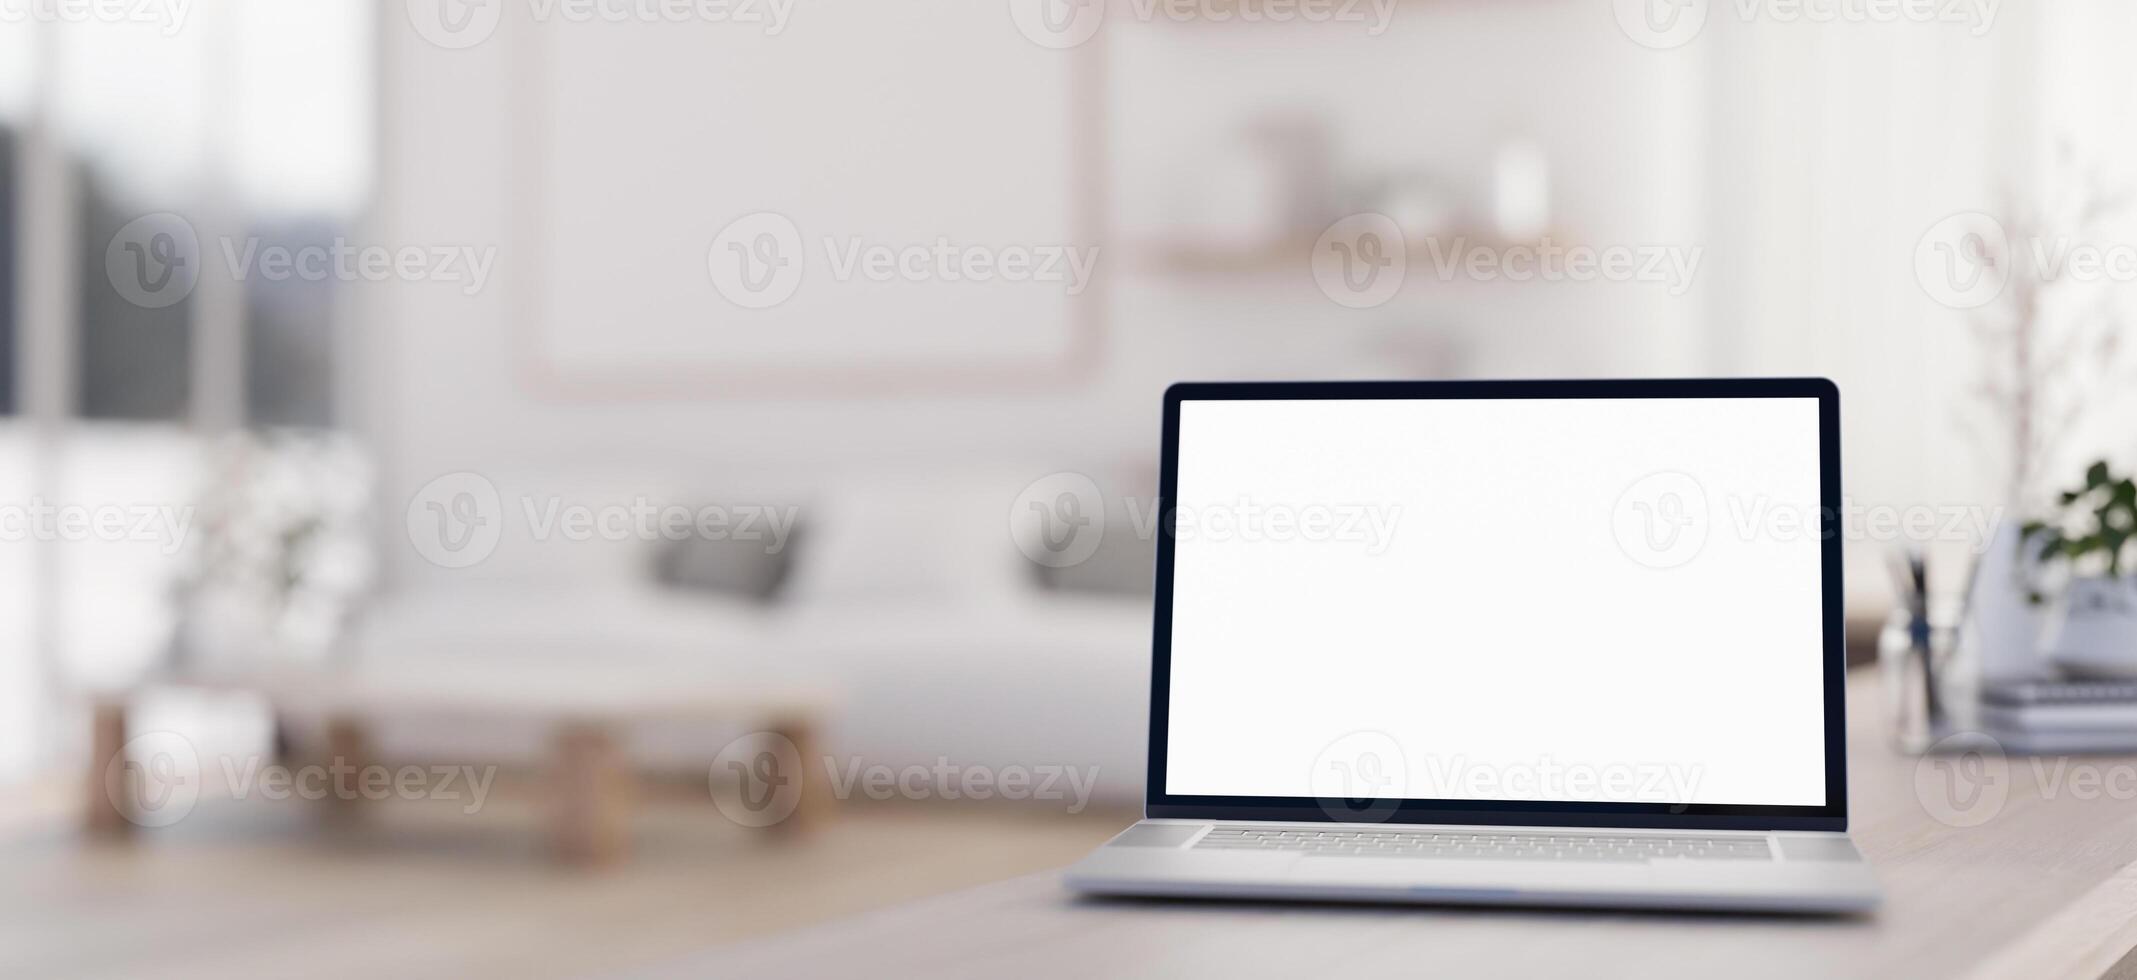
{"x": 2042, "y": 885}
{"x": 491, "y": 688}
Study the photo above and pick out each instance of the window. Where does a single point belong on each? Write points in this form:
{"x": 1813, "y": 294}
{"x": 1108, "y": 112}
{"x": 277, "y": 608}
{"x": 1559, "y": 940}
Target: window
{"x": 191, "y": 151}
{"x": 17, "y": 61}
{"x": 8, "y": 295}
{"x": 136, "y": 160}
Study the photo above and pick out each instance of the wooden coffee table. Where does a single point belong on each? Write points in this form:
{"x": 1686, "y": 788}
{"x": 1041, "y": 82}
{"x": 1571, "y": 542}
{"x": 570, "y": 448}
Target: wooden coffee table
{"x": 590, "y": 782}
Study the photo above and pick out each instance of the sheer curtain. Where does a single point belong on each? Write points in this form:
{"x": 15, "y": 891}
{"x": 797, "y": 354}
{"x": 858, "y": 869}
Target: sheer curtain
{"x": 2088, "y": 86}
{"x": 249, "y": 120}
{"x": 1835, "y": 148}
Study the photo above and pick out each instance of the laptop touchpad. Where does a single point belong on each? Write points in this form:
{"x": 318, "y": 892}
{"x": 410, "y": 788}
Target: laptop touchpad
{"x": 1157, "y": 835}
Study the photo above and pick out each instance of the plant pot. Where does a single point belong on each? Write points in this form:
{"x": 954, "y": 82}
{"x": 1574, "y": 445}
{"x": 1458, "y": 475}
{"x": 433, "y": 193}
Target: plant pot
{"x": 2095, "y": 630}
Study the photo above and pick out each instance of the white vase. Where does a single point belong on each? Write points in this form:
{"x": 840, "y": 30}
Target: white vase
{"x": 2095, "y": 629}
{"x": 2002, "y": 629}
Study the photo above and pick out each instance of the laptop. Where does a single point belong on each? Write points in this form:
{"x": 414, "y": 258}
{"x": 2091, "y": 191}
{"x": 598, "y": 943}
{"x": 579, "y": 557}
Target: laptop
{"x": 1564, "y": 643}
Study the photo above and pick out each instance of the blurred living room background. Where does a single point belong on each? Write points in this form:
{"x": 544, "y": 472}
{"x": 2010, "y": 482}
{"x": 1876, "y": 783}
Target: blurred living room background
{"x": 357, "y": 359}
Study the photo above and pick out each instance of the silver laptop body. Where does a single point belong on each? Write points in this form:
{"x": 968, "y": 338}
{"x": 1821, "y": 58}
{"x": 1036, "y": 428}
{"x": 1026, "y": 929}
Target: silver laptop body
{"x": 1559, "y": 643}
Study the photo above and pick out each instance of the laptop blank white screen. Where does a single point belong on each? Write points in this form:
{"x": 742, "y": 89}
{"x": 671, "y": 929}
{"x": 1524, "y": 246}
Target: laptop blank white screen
{"x": 1591, "y": 600}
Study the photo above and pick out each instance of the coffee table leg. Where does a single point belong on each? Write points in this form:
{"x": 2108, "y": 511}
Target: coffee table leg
{"x": 590, "y": 796}
{"x": 816, "y": 802}
{"x": 110, "y": 793}
{"x": 348, "y": 750}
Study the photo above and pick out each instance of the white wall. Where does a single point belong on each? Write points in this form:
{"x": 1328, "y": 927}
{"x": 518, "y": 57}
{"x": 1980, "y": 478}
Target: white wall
{"x": 1445, "y": 87}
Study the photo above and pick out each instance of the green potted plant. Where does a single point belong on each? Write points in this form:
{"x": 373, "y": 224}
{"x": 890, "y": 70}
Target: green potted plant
{"x": 2078, "y": 557}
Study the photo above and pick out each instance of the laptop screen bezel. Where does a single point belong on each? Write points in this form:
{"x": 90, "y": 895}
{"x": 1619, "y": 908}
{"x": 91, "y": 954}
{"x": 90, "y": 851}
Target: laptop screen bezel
{"x": 1832, "y": 816}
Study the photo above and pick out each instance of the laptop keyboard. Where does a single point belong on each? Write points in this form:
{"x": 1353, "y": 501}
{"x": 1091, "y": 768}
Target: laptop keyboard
{"x": 1494, "y": 846}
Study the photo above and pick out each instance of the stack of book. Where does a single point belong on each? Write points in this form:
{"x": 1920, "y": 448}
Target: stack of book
{"x": 2059, "y": 716}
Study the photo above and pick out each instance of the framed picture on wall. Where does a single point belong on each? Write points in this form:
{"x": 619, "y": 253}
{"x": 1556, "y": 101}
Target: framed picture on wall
{"x": 784, "y": 231}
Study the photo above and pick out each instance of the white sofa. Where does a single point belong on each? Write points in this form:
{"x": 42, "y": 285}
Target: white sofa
{"x": 908, "y": 600}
